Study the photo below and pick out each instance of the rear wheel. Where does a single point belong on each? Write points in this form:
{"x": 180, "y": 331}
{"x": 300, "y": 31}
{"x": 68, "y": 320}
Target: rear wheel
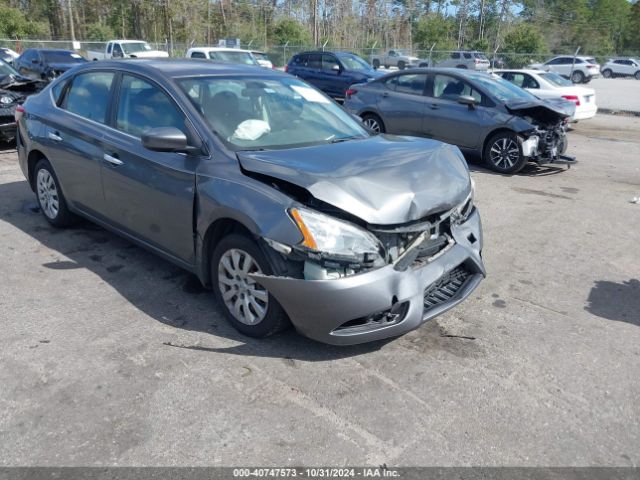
{"x": 401, "y": 65}
{"x": 373, "y": 122}
{"x": 250, "y": 308}
{"x": 503, "y": 153}
{"x": 50, "y": 198}
{"x": 577, "y": 77}
{"x": 637, "y": 75}
{"x": 376, "y": 64}
{"x": 607, "y": 73}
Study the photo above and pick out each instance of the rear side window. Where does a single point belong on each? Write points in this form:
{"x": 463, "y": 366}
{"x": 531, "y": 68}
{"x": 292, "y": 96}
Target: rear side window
{"x": 412, "y": 83}
{"x": 89, "y": 95}
{"x": 198, "y": 55}
{"x": 300, "y": 59}
{"x": 143, "y": 105}
{"x": 314, "y": 61}
{"x": 455, "y": 55}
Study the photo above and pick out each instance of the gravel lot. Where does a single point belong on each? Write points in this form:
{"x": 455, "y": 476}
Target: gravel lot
{"x": 617, "y": 93}
{"x": 111, "y": 356}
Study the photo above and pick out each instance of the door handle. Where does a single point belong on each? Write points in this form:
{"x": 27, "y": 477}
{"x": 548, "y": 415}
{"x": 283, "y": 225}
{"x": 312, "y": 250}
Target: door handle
{"x": 54, "y": 136}
{"x": 385, "y": 95}
{"x": 434, "y": 106}
{"x": 112, "y": 160}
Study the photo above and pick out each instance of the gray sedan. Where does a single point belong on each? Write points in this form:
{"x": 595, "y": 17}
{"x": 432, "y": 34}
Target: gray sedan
{"x": 281, "y": 202}
{"x": 480, "y": 113}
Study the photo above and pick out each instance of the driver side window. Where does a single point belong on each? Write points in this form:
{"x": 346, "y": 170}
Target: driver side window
{"x": 329, "y": 63}
{"x": 450, "y": 88}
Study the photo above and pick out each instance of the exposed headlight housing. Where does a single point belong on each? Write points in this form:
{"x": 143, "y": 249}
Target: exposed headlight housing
{"x": 4, "y": 100}
{"x": 335, "y": 238}
{"x": 461, "y": 212}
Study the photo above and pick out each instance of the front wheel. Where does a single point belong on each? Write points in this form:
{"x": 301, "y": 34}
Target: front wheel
{"x": 401, "y": 65}
{"x": 607, "y": 73}
{"x": 250, "y": 308}
{"x": 373, "y": 122}
{"x": 503, "y": 153}
{"x": 50, "y": 198}
{"x": 637, "y": 75}
{"x": 577, "y": 77}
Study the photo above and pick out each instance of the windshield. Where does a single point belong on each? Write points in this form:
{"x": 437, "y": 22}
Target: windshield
{"x": 260, "y": 56}
{"x": 6, "y": 69}
{"x": 501, "y": 89}
{"x": 135, "y": 47}
{"x": 61, "y": 57}
{"x": 233, "y": 57}
{"x": 354, "y": 62}
{"x": 555, "y": 79}
{"x": 265, "y": 113}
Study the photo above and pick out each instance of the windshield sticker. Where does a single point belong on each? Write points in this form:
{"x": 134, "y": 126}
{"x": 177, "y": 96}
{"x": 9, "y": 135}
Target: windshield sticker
{"x": 75, "y": 55}
{"x": 310, "y": 94}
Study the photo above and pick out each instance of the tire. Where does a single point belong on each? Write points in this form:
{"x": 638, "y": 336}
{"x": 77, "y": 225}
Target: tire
{"x": 463, "y": 67}
{"x": 503, "y": 153}
{"x": 376, "y": 64}
{"x": 607, "y": 73}
{"x": 401, "y": 65}
{"x": 637, "y": 75}
{"x": 257, "y": 313}
{"x": 577, "y": 77}
{"x": 563, "y": 144}
{"x": 51, "y": 200}
{"x": 373, "y": 122}
{"x": 387, "y": 67}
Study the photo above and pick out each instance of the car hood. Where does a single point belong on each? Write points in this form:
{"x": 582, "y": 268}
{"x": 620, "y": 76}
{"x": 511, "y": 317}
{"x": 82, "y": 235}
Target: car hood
{"x": 383, "y": 180}
{"x": 149, "y": 54}
{"x": 548, "y": 107}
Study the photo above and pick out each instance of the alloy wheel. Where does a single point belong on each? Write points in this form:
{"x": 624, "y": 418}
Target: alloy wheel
{"x": 48, "y": 194}
{"x": 372, "y": 124}
{"x": 245, "y": 299}
{"x": 504, "y": 153}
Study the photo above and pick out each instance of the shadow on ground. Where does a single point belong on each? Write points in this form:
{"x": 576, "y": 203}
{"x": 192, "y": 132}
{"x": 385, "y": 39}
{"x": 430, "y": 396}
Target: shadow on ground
{"x": 153, "y": 285}
{"x": 616, "y": 301}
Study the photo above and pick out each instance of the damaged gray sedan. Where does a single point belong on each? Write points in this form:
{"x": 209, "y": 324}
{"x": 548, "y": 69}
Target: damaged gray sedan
{"x": 275, "y": 197}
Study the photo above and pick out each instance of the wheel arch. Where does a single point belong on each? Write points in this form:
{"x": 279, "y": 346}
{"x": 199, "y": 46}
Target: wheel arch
{"x": 489, "y": 135}
{"x": 32, "y": 160}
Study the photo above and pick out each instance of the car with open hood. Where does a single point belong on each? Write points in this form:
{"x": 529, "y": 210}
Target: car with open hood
{"x": 14, "y": 90}
{"x": 262, "y": 186}
{"x": 481, "y": 113}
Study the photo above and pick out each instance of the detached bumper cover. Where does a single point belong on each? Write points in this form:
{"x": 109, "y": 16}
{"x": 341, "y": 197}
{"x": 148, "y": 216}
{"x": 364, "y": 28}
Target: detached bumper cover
{"x": 319, "y": 309}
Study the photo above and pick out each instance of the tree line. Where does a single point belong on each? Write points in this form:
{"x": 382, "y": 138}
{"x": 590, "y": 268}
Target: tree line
{"x": 600, "y": 27}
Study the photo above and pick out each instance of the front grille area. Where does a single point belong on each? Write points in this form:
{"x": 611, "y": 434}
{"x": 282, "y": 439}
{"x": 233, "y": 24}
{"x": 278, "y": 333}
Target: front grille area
{"x": 446, "y": 287}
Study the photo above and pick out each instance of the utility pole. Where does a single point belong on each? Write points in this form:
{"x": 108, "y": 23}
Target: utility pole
{"x": 71, "y": 29}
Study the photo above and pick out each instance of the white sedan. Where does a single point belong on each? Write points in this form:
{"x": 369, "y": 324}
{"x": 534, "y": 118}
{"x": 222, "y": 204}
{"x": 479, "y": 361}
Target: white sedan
{"x": 551, "y": 85}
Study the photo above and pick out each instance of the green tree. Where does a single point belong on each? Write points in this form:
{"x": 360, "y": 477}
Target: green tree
{"x": 291, "y": 31}
{"x": 632, "y": 30}
{"x": 434, "y": 28}
{"x": 522, "y": 39}
{"x": 98, "y": 32}
{"x": 14, "y": 24}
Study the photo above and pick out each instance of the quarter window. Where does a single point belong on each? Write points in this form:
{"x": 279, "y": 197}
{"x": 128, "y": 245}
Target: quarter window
{"x": 198, "y": 55}
{"x": 143, "y": 106}
{"x": 89, "y": 95}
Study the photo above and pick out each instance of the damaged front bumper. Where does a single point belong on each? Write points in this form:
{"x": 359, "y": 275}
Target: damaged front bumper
{"x": 543, "y": 151}
{"x": 387, "y": 301}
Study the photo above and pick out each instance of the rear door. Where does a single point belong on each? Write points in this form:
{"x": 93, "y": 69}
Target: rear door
{"x": 449, "y": 121}
{"x": 149, "y": 194}
{"x": 74, "y": 138}
{"x": 402, "y": 103}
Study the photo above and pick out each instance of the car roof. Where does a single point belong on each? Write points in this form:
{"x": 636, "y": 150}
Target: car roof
{"x": 180, "y": 67}
{"x": 530, "y": 71}
{"x": 128, "y": 41}
{"x": 218, "y": 49}
{"x": 51, "y": 50}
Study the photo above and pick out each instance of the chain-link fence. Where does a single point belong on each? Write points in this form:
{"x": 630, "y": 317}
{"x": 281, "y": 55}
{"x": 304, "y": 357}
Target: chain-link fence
{"x": 280, "y": 54}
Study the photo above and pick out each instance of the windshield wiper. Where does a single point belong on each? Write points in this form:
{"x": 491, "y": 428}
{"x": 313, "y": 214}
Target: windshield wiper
{"x": 344, "y": 139}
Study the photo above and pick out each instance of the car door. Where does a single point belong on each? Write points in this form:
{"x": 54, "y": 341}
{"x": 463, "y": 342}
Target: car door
{"x": 333, "y": 78}
{"x": 449, "y": 121}
{"x": 73, "y": 138}
{"x": 149, "y": 194}
{"x": 402, "y": 103}
{"x": 311, "y": 70}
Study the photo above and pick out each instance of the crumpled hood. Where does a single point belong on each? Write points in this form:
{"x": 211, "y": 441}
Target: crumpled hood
{"x": 559, "y": 106}
{"x": 384, "y": 179}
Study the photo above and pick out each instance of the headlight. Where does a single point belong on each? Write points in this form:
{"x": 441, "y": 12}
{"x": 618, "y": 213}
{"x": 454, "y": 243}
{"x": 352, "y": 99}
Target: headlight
{"x": 464, "y": 209}
{"x": 6, "y": 100}
{"x": 325, "y": 234}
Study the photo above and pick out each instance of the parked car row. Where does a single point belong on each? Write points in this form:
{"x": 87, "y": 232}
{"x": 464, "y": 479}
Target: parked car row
{"x": 621, "y": 67}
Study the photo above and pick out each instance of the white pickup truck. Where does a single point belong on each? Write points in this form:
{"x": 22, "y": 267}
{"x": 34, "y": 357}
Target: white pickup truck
{"x": 126, "y": 49}
{"x": 397, "y": 58}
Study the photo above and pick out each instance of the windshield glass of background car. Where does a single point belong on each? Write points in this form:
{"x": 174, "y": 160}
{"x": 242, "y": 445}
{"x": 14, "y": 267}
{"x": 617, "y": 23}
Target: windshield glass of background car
{"x": 501, "y": 89}
{"x": 6, "y": 69}
{"x": 135, "y": 47}
{"x": 556, "y": 79}
{"x": 353, "y": 62}
{"x": 265, "y": 113}
{"x": 233, "y": 57}
{"x": 62, "y": 57}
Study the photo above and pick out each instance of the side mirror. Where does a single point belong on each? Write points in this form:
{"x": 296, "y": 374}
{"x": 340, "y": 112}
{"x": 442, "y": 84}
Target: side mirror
{"x": 336, "y": 68}
{"x": 467, "y": 100}
{"x": 164, "y": 139}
